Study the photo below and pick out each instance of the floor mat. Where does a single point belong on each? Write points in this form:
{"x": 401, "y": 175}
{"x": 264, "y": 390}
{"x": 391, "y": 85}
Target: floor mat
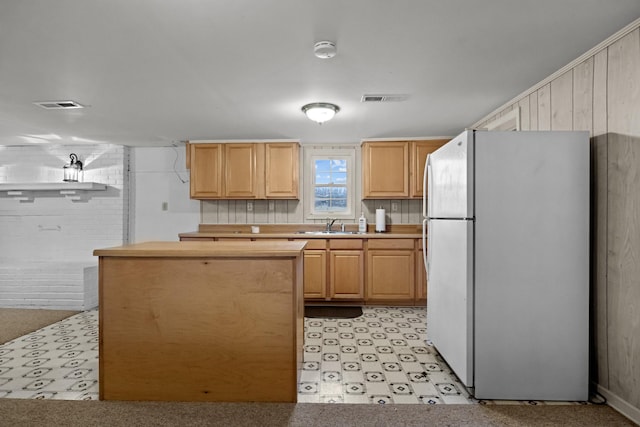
{"x": 331, "y": 312}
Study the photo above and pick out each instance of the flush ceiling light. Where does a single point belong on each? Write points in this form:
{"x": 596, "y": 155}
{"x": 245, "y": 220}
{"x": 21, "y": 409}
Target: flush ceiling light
{"x": 320, "y": 112}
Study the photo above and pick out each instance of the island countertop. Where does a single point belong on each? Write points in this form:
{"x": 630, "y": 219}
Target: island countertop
{"x": 203, "y": 249}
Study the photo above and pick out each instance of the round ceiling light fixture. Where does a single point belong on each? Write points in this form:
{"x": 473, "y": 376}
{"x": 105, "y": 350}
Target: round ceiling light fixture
{"x": 320, "y": 112}
{"x": 324, "y": 49}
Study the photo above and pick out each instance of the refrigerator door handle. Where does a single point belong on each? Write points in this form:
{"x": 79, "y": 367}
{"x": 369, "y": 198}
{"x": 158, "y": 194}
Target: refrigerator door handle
{"x": 425, "y": 246}
{"x": 425, "y": 180}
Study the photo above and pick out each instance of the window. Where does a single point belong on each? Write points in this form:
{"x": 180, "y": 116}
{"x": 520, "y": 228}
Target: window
{"x": 329, "y": 183}
{"x": 330, "y": 189}
{"x": 508, "y": 121}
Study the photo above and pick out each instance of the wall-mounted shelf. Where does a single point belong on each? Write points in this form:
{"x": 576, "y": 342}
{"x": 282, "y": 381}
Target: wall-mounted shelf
{"x": 69, "y": 189}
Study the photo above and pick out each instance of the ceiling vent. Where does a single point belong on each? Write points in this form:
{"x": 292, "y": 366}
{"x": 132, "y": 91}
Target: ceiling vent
{"x": 383, "y": 98}
{"x": 59, "y": 105}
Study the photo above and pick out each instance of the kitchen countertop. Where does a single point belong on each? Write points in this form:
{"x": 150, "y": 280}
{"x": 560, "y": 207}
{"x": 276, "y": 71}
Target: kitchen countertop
{"x": 226, "y": 249}
{"x": 299, "y": 236}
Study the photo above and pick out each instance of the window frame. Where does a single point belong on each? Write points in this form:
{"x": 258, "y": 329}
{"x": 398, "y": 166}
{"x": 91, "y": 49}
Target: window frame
{"x": 311, "y": 154}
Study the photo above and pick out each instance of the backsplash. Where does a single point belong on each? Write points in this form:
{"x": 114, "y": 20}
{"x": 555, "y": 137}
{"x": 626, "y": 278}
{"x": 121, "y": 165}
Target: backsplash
{"x": 291, "y": 212}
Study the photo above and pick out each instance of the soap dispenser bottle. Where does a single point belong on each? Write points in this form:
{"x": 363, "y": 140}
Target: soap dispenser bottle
{"x": 362, "y": 224}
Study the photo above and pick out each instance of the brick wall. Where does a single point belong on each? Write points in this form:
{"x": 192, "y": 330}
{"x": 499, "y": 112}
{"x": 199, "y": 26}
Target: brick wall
{"x": 48, "y": 231}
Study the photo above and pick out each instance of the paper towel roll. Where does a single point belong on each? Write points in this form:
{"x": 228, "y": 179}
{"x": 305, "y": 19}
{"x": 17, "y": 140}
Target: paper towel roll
{"x": 380, "y": 221}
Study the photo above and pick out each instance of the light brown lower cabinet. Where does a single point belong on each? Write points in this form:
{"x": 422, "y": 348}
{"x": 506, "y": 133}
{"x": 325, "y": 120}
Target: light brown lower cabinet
{"x": 315, "y": 274}
{"x": 391, "y": 270}
{"x": 346, "y": 281}
{"x": 346, "y": 269}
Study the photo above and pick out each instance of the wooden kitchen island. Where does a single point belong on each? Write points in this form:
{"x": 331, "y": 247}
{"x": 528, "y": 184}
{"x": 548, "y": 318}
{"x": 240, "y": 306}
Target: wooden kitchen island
{"x": 201, "y": 321}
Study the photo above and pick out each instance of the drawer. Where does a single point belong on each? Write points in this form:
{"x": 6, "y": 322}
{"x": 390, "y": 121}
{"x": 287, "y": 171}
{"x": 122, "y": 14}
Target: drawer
{"x": 391, "y": 243}
{"x": 345, "y": 244}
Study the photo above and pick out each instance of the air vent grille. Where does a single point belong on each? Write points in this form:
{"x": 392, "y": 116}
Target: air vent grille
{"x": 383, "y": 98}
{"x": 58, "y": 105}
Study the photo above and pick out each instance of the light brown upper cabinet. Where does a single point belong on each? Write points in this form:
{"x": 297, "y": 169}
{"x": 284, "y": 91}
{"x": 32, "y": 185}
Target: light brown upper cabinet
{"x": 418, "y": 154}
{"x": 281, "y": 170}
{"x": 206, "y": 171}
{"x": 240, "y": 171}
{"x": 394, "y": 169}
{"x": 385, "y": 170}
{"x": 244, "y": 170}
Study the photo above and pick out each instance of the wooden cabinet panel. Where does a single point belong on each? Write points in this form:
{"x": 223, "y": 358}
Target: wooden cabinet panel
{"x": 391, "y": 275}
{"x": 281, "y": 170}
{"x": 385, "y": 170}
{"x": 373, "y": 270}
{"x": 206, "y": 171}
{"x": 391, "y": 243}
{"x": 346, "y": 275}
{"x": 240, "y": 171}
{"x": 345, "y": 244}
{"x": 419, "y": 152}
{"x": 244, "y": 170}
{"x": 395, "y": 169}
{"x": 315, "y": 273}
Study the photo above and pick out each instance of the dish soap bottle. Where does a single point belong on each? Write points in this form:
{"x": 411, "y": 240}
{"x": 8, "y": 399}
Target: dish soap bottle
{"x": 362, "y": 224}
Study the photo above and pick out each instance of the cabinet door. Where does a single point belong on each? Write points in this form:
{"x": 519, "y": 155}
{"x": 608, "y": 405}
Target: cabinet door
{"x": 315, "y": 274}
{"x": 281, "y": 170}
{"x": 385, "y": 169}
{"x": 240, "y": 171}
{"x": 419, "y": 152}
{"x": 391, "y": 275}
{"x": 206, "y": 171}
{"x": 421, "y": 279}
{"x": 346, "y": 274}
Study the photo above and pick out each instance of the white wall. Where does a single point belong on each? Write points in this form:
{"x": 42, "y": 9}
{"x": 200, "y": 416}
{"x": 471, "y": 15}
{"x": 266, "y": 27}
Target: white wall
{"x": 47, "y": 240}
{"x": 159, "y": 180}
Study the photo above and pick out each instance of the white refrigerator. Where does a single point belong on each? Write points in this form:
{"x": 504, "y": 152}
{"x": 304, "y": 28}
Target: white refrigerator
{"x": 506, "y": 229}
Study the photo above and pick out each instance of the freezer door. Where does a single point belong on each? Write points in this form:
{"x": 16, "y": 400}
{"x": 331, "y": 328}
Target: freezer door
{"x": 450, "y": 300}
{"x": 450, "y": 169}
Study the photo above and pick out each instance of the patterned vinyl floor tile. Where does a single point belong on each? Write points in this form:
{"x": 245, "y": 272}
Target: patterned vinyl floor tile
{"x": 380, "y": 357}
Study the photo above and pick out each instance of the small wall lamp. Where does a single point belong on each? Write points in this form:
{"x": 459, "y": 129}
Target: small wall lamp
{"x": 73, "y": 169}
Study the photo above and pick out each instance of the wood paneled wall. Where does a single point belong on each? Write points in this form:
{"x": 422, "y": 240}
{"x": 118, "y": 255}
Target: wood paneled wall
{"x": 601, "y": 93}
{"x": 291, "y": 212}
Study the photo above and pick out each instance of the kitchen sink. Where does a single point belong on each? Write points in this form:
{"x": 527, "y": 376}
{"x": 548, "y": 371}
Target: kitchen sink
{"x": 317, "y": 233}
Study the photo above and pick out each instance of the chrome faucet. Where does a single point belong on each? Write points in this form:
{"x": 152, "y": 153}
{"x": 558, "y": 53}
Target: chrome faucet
{"x": 330, "y": 222}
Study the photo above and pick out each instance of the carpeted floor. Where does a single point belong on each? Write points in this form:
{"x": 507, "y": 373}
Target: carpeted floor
{"x": 16, "y": 412}
{"x": 16, "y": 322}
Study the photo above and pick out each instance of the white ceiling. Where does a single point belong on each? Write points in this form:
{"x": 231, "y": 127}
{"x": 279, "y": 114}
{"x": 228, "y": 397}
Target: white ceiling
{"x": 154, "y": 72}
